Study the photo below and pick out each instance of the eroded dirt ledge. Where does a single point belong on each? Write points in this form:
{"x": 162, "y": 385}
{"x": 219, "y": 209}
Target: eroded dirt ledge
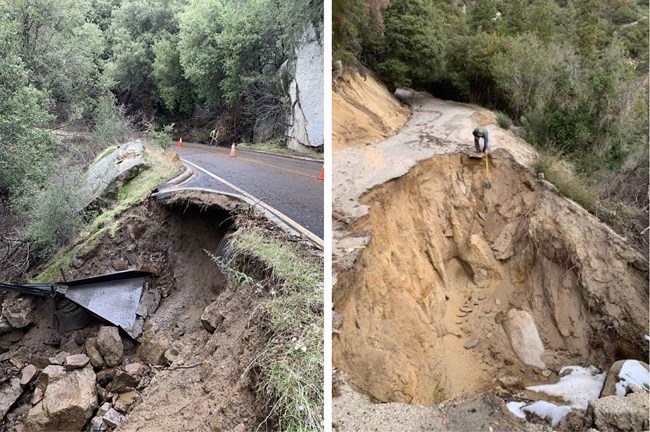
{"x": 442, "y": 244}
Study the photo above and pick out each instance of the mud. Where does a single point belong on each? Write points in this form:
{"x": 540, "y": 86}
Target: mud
{"x": 425, "y": 309}
{"x": 198, "y": 381}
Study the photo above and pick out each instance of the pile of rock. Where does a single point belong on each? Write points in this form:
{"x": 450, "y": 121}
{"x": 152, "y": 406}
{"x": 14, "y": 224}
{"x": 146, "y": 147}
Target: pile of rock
{"x": 70, "y": 391}
{"x": 117, "y": 389}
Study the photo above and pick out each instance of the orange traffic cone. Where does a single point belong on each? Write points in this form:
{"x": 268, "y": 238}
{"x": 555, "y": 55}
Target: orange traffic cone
{"x": 322, "y": 174}
{"x": 233, "y": 151}
{"x": 180, "y": 143}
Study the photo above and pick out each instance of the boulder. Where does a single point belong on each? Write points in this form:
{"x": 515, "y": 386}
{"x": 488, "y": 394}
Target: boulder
{"x": 135, "y": 369}
{"x": 148, "y": 303}
{"x": 614, "y": 379}
{"x": 103, "y": 409}
{"x": 619, "y": 413}
{"x": 76, "y": 361}
{"x": 104, "y": 177}
{"x": 93, "y": 353}
{"x": 68, "y": 403}
{"x": 18, "y": 311}
{"x": 510, "y": 382}
{"x": 404, "y": 96}
{"x": 27, "y": 374}
{"x": 524, "y": 338}
{"x": 97, "y": 424}
{"x": 153, "y": 345}
{"x": 110, "y": 345}
{"x": 50, "y": 374}
{"x": 10, "y": 391}
{"x": 122, "y": 382}
{"x": 212, "y": 317}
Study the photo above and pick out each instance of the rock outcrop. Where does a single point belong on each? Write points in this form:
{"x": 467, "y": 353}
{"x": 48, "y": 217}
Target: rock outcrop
{"x": 305, "y": 90}
{"x": 105, "y": 175}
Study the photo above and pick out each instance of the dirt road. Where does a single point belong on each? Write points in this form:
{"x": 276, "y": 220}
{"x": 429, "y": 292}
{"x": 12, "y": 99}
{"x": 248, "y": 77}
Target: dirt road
{"x": 288, "y": 185}
{"x": 436, "y": 127}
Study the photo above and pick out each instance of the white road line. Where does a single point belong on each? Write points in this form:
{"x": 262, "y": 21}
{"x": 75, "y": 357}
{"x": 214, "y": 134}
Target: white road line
{"x": 313, "y": 237}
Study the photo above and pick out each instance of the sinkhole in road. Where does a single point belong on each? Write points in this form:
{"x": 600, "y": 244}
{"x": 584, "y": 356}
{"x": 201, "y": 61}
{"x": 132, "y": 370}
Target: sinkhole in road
{"x": 170, "y": 239}
{"x": 462, "y": 287}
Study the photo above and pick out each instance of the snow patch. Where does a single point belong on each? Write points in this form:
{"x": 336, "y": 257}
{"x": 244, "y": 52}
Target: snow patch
{"x": 548, "y": 411}
{"x": 632, "y": 373}
{"x": 577, "y": 388}
{"x": 515, "y": 408}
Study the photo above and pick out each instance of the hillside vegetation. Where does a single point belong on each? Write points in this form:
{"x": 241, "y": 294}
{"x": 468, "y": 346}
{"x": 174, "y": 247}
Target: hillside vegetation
{"x": 571, "y": 76}
{"x": 77, "y": 76}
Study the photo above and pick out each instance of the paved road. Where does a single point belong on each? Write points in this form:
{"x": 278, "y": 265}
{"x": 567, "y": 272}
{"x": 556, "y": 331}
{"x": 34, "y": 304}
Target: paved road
{"x": 288, "y": 185}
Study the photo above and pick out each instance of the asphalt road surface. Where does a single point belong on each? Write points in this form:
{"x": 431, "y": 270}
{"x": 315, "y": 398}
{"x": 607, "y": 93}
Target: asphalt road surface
{"x": 288, "y": 185}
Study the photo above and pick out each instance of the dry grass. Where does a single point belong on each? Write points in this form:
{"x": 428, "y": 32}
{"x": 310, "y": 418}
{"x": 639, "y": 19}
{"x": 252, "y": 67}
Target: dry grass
{"x": 570, "y": 184}
{"x": 618, "y": 210}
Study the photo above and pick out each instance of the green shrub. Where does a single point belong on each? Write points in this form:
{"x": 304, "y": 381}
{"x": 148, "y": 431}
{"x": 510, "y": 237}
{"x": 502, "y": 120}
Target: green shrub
{"x": 55, "y": 212}
{"x": 111, "y": 125}
{"x": 163, "y": 137}
{"x": 503, "y": 120}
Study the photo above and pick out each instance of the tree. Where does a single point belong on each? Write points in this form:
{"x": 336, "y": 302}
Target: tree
{"x": 62, "y": 50}
{"x": 135, "y": 28}
{"x": 412, "y": 49}
{"x": 523, "y": 74}
{"x": 175, "y": 90}
{"x": 25, "y": 150}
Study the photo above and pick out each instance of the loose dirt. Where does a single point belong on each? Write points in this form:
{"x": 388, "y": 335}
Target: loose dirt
{"x": 446, "y": 289}
{"x": 199, "y": 380}
{"x": 447, "y": 261}
{"x": 363, "y": 111}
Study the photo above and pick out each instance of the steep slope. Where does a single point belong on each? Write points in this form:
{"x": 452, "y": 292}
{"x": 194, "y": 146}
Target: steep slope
{"x": 446, "y": 288}
{"x": 363, "y": 111}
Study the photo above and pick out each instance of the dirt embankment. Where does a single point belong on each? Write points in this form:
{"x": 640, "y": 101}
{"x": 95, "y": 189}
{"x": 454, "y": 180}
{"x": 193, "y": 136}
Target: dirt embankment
{"x": 456, "y": 296}
{"x": 199, "y": 376}
{"x": 363, "y": 111}
{"x": 436, "y": 305}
